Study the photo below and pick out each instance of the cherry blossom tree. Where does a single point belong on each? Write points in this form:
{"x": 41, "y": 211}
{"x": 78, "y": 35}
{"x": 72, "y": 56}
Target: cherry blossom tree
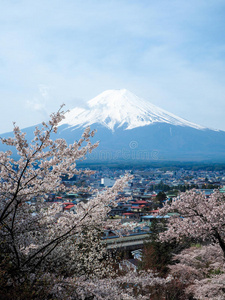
{"x": 201, "y": 271}
{"x": 40, "y": 243}
{"x": 34, "y": 235}
{"x": 200, "y": 217}
{"x": 199, "y": 268}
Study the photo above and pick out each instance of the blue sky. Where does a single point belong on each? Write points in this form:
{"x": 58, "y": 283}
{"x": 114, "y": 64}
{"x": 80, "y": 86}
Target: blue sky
{"x": 171, "y": 53}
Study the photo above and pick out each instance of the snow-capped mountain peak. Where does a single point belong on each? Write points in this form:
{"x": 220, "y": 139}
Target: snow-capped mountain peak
{"x": 115, "y": 108}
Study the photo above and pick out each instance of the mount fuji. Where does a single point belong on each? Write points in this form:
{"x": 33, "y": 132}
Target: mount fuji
{"x": 132, "y": 129}
{"x": 120, "y": 108}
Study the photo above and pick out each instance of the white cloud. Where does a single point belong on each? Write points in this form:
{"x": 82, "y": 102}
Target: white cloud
{"x": 35, "y": 105}
{"x": 44, "y": 91}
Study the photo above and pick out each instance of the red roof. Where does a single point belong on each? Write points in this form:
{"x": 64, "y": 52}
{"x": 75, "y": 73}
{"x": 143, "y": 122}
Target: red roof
{"x": 139, "y": 207}
{"x": 127, "y": 214}
{"x": 154, "y": 211}
{"x": 139, "y": 202}
{"x": 69, "y": 206}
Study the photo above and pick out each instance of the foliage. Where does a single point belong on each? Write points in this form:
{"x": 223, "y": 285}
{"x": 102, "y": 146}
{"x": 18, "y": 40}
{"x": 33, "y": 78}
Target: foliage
{"x": 161, "y": 197}
{"x": 158, "y": 255}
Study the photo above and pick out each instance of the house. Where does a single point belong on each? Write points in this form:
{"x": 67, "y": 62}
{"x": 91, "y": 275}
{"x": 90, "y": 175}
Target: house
{"x": 68, "y": 206}
{"x": 129, "y": 215}
{"x": 149, "y": 219}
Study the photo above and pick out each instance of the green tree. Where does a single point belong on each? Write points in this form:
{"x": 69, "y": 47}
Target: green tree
{"x": 157, "y": 255}
{"x": 161, "y": 197}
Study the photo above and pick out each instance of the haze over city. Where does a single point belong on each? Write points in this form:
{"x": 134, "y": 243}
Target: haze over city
{"x": 171, "y": 53}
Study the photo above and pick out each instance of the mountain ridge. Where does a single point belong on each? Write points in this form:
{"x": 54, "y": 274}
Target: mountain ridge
{"x": 116, "y": 108}
{"x": 131, "y": 129}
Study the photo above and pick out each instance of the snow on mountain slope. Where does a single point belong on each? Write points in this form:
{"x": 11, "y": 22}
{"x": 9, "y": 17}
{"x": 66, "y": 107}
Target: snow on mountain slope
{"x": 115, "y": 108}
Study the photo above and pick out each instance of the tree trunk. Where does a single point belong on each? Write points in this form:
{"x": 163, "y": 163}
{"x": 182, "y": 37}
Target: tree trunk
{"x": 221, "y": 241}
